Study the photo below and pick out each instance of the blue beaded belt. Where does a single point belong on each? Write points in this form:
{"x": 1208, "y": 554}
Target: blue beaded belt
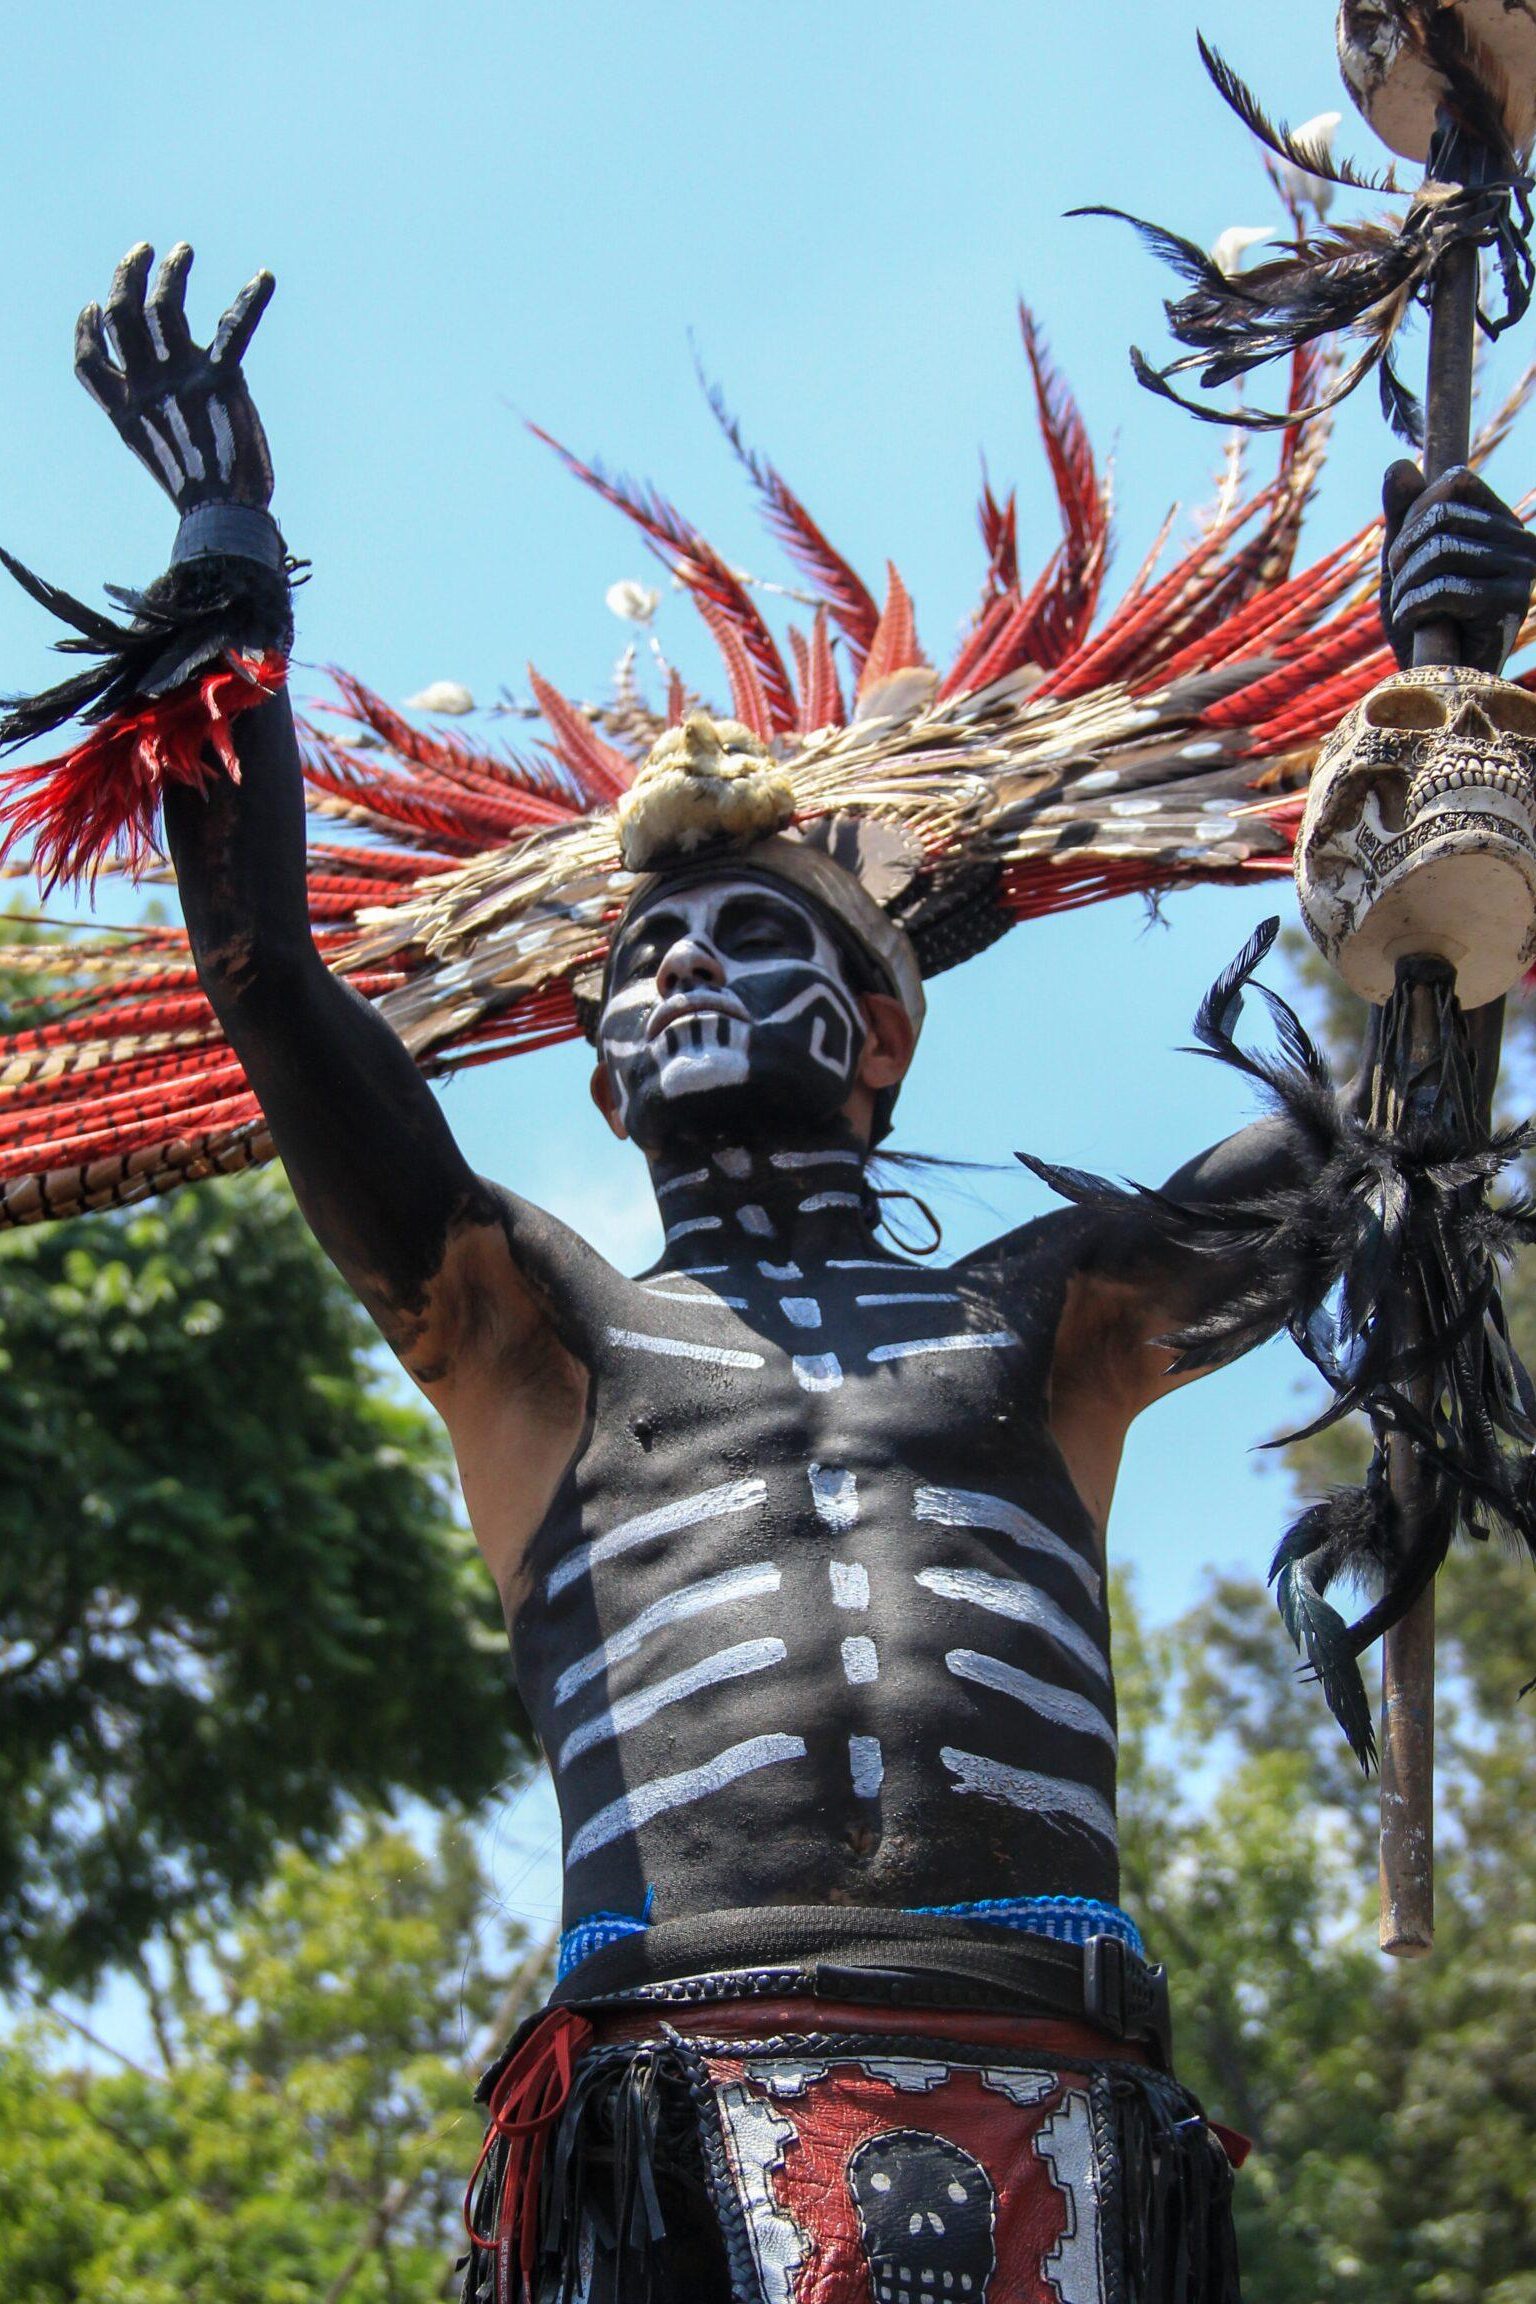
{"x": 1066, "y": 1919}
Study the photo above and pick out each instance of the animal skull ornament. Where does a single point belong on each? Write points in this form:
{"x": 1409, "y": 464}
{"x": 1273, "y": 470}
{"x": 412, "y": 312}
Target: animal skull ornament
{"x": 1386, "y": 68}
{"x": 1420, "y": 834}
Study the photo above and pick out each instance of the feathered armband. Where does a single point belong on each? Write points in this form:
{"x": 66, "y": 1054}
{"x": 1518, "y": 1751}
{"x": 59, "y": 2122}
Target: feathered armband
{"x": 1381, "y": 1258}
{"x": 204, "y": 643}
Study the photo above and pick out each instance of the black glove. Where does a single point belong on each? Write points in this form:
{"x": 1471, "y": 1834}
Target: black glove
{"x": 1456, "y": 553}
{"x": 184, "y": 411}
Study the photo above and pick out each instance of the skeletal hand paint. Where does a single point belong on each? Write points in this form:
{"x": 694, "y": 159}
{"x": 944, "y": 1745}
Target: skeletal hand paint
{"x": 729, "y": 1007}
{"x": 183, "y": 409}
{"x": 1454, "y": 552}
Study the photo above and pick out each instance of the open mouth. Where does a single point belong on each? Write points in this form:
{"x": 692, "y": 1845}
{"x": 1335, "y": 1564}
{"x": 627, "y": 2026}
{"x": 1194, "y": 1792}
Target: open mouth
{"x": 685, "y": 1005}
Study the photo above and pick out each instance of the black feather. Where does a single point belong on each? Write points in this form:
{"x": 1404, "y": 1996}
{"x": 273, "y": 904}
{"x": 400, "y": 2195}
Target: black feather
{"x": 1311, "y": 159}
{"x": 186, "y": 620}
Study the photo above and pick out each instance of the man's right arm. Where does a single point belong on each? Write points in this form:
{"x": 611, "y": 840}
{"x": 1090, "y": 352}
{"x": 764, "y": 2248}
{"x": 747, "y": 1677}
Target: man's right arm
{"x": 429, "y": 1249}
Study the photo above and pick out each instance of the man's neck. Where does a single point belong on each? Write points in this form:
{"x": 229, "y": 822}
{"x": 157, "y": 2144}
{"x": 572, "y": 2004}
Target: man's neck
{"x": 796, "y": 1202}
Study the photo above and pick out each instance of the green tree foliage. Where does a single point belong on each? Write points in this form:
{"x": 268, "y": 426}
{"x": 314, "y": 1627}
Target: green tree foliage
{"x": 311, "y": 2132}
{"x": 234, "y": 1597}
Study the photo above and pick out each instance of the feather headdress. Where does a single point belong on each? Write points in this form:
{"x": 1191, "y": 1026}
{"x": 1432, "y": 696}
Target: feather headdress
{"x": 469, "y": 891}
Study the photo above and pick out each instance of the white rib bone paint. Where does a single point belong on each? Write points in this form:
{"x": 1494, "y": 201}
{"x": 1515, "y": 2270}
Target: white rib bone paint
{"x": 781, "y": 1271}
{"x": 835, "y": 1494}
{"x": 850, "y": 1583}
{"x": 682, "y": 1183}
{"x": 861, "y": 1662}
{"x": 1039, "y": 1795}
{"x": 869, "y": 1264}
{"x": 632, "y": 1711}
{"x": 866, "y": 1766}
{"x": 817, "y": 1371}
{"x": 692, "y": 1224}
{"x": 914, "y": 1296}
{"x": 706, "y": 1300}
{"x": 665, "y": 1520}
{"x": 1059, "y": 1704}
{"x": 816, "y": 1200}
{"x": 816, "y": 1159}
{"x": 644, "y": 1801}
{"x": 801, "y": 1311}
{"x": 671, "y": 1608}
{"x": 969, "y": 1508}
{"x": 677, "y": 1348}
{"x": 993, "y": 1341}
{"x": 1002, "y": 1596}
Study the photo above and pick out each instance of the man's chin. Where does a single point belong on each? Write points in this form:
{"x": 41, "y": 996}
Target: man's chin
{"x": 703, "y": 1114}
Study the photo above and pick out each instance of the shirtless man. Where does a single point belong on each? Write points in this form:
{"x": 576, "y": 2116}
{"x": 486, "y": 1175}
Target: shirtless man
{"x": 800, "y": 1546}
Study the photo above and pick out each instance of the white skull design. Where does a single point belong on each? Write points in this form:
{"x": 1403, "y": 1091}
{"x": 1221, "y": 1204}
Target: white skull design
{"x": 1420, "y": 834}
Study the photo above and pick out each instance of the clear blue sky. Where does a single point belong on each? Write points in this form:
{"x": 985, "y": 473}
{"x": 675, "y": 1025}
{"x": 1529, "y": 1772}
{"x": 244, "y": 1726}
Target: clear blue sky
{"x": 477, "y": 212}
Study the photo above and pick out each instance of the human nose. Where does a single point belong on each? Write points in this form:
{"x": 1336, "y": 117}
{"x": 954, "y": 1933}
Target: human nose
{"x": 689, "y": 963}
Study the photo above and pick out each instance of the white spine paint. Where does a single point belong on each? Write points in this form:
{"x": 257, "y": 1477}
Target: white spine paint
{"x": 850, "y": 1584}
{"x": 835, "y": 1495}
{"x": 861, "y": 1661}
{"x": 866, "y": 1766}
{"x": 801, "y": 1311}
{"x": 817, "y": 1371}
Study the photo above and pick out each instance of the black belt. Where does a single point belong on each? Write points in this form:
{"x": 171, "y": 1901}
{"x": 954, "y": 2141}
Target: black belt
{"x": 880, "y": 1959}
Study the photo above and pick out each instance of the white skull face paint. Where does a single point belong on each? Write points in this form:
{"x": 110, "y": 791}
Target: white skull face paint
{"x": 729, "y": 1005}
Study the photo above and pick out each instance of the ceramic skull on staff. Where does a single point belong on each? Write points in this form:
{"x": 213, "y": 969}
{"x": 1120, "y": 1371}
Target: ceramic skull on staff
{"x": 800, "y": 1540}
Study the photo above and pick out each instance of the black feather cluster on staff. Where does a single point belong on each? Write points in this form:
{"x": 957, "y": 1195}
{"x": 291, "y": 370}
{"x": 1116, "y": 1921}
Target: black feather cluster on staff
{"x": 184, "y": 621}
{"x": 1360, "y": 278}
{"x": 1382, "y": 1262}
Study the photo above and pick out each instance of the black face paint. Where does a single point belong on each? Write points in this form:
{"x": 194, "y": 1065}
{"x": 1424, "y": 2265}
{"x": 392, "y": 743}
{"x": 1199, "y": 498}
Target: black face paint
{"x": 730, "y": 1009}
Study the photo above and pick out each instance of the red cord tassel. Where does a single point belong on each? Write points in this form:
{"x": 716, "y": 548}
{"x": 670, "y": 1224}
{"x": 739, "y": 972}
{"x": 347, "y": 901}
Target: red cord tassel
{"x": 102, "y": 800}
{"x": 525, "y": 2104}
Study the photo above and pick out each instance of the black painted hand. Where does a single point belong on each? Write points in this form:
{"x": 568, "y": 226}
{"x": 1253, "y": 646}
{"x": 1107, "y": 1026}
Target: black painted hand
{"x": 1453, "y": 553}
{"x": 183, "y": 409}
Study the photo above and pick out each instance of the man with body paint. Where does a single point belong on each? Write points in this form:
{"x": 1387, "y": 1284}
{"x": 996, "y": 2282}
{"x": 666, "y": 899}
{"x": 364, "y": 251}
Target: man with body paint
{"x": 800, "y": 1544}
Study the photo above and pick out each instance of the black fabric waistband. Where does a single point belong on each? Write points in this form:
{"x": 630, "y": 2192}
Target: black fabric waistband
{"x": 862, "y": 1955}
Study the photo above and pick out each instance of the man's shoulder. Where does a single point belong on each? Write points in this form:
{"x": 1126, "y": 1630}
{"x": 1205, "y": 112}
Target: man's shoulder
{"x": 1043, "y": 1253}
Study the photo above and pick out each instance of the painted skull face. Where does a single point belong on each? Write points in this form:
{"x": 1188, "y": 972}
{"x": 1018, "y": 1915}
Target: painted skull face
{"x": 730, "y": 1008}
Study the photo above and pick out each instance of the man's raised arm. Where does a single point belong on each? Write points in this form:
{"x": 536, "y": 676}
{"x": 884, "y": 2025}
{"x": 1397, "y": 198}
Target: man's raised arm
{"x": 383, "y": 1185}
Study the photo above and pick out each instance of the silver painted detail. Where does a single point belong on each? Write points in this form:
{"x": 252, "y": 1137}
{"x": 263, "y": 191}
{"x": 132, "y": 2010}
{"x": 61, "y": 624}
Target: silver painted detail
{"x": 866, "y": 1766}
{"x": 1065, "y": 2143}
{"x": 817, "y": 1371}
{"x": 755, "y": 2137}
{"x": 995, "y": 1340}
{"x": 909, "y": 1296}
{"x": 801, "y": 1311}
{"x": 850, "y": 1583}
{"x": 861, "y": 1661}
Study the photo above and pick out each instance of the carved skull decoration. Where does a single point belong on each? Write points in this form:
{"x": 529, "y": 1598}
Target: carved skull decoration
{"x": 1420, "y": 833}
{"x": 1387, "y": 72}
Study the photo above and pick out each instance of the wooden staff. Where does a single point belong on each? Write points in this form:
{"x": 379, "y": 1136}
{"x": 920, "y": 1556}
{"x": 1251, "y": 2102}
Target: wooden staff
{"x": 1407, "y": 1866}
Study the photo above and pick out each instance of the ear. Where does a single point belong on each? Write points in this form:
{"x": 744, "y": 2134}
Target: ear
{"x": 602, "y": 1092}
{"x": 887, "y": 1052}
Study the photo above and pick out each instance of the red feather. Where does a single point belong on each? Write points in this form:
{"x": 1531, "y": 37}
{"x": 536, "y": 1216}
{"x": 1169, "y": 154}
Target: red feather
{"x": 600, "y": 769}
{"x": 102, "y": 800}
{"x": 894, "y": 647}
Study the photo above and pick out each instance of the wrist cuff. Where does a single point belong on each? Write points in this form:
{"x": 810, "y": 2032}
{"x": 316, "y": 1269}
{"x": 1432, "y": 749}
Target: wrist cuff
{"x": 229, "y": 532}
